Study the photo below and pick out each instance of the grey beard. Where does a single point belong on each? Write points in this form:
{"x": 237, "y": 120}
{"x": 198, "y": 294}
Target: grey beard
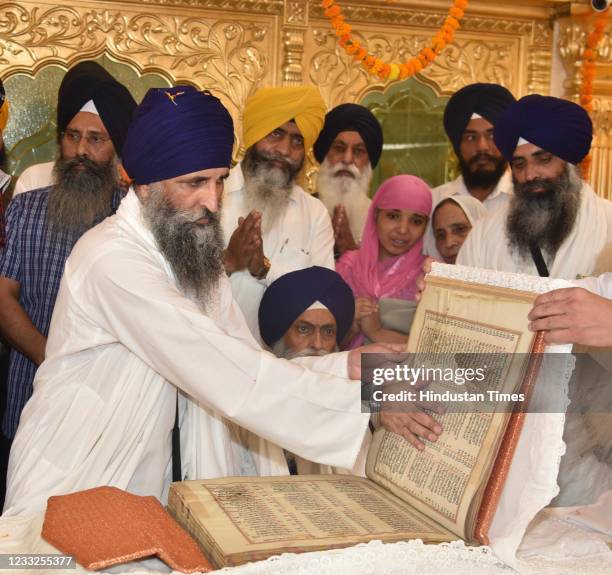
{"x": 195, "y": 253}
{"x": 268, "y": 187}
{"x": 544, "y": 218}
{"x": 282, "y": 350}
{"x": 79, "y": 199}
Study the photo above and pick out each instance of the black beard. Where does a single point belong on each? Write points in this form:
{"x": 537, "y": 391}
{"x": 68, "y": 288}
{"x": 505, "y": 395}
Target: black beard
{"x": 81, "y": 198}
{"x": 194, "y": 252}
{"x": 479, "y": 178}
{"x": 258, "y": 164}
{"x": 544, "y": 218}
{"x": 2, "y": 157}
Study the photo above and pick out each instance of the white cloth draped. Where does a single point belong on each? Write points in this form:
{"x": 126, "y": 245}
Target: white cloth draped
{"x": 487, "y": 245}
{"x": 123, "y": 338}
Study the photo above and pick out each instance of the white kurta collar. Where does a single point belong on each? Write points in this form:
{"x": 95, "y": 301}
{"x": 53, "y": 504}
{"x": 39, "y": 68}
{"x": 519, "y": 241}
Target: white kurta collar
{"x": 504, "y": 186}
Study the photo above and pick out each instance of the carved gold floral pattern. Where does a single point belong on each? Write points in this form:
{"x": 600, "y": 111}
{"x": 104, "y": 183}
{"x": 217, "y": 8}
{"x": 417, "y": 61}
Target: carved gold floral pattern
{"x": 465, "y": 61}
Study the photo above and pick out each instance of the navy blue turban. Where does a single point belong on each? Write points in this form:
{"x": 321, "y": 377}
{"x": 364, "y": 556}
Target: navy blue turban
{"x": 558, "y": 126}
{"x": 292, "y": 294}
{"x": 487, "y": 100}
{"x": 89, "y": 81}
{"x": 177, "y": 131}
{"x": 350, "y": 118}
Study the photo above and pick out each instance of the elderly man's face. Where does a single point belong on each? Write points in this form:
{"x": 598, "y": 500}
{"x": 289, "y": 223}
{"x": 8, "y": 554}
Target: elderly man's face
{"x": 196, "y": 193}
{"x": 536, "y": 167}
{"x": 315, "y": 329}
{"x": 347, "y": 150}
{"x": 86, "y": 137}
{"x": 284, "y": 142}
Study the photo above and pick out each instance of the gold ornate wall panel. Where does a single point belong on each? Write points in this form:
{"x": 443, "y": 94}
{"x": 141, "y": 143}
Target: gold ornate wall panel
{"x": 234, "y": 46}
{"x": 573, "y": 32}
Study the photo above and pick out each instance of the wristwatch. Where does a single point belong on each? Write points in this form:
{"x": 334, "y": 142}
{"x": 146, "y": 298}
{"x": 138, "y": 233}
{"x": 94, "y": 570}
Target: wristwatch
{"x": 265, "y": 268}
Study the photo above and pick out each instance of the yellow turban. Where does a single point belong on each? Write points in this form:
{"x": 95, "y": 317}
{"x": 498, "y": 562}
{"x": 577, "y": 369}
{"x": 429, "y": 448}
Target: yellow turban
{"x": 270, "y": 108}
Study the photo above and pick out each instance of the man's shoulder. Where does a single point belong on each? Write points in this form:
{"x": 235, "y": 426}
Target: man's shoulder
{"x": 235, "y": 180}
{"x": 448, "y": 188}
{"x": 308, "y": 201}
{"x": 31, "y": 199}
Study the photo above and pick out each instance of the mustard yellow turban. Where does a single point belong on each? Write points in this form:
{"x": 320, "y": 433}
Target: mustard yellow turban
{"x": 4, "y": 108}
{"x": 270, "y": 108}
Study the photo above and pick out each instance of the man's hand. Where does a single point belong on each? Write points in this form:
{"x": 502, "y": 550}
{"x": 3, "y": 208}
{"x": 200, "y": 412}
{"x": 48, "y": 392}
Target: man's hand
{"x": 244, "y": 243}
{"x": 343, "y": 236}
{"x": 420, "y": 282}
{"x": 573, "y": 315}
{"x": 354, "y": 356}
{"x": 411, "y": 426}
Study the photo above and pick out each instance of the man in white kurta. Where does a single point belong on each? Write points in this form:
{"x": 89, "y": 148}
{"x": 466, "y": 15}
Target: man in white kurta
{"x": 125, "y": 341}
{"x": 348, "y": 149}
{"x": 280, "y": 124}
{"x": 469, "y": 119}
{"x": 552, "y": 209}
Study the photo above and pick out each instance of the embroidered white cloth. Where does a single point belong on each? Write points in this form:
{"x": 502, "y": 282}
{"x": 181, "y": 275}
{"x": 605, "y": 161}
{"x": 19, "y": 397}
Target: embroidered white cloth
{"x": 559, "y": 549}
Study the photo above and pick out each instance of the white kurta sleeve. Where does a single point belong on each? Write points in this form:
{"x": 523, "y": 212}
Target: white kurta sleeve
{"x": 315, "y": 415}
{"x": 601, "y": 285}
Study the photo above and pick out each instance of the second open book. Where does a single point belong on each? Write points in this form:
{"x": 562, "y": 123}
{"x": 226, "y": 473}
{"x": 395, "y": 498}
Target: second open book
{"x": 449, "y": 491}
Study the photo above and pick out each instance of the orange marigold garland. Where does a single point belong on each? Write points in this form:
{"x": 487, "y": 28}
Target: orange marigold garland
{"x": 394, "y": 70}
{"x": 588, "y": 75}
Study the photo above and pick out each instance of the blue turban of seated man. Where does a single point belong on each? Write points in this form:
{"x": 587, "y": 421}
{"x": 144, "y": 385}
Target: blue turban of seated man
{"x": 309, "y": 311}
{"x": 177, "y": 131}
{"x": 558, "y": 126}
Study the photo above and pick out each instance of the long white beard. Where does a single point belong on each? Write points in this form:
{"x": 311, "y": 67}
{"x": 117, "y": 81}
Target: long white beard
{"x": 352, "y": 193}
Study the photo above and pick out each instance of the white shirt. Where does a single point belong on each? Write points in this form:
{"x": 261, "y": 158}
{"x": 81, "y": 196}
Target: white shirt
{"x": 123, "y": 338}
{"x": 34, "y": 177}
{"x": 499, "y": 197}
{"x": 487, "y": 244}
{"x": 302, "y": 237}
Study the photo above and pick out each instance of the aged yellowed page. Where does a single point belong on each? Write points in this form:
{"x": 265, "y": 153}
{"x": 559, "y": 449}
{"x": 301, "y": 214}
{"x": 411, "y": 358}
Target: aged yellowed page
{"x": 446, "y": 480}
{"x": 243, "y": 519}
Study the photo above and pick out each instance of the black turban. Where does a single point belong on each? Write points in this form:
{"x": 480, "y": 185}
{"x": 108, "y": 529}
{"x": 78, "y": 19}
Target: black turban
{"x": 293, "y": 293}
{"x": 177, "y": 131}
{"x": 487, "y": 100}
{"x": 89, "y": 81}
{"x": 558, "y": 126}
{"x": 350, "y": 118}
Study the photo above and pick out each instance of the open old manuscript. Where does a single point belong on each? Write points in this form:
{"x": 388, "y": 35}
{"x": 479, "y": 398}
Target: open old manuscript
{"x": 447, "y": 492}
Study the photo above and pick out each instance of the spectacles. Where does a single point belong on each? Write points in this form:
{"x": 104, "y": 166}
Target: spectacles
{"x": 93, "y": 140}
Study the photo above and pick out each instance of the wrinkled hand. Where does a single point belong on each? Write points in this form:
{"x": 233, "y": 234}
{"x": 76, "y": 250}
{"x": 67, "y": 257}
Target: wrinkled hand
{"x": 411, "y": 426}
{"x": 573, "y": 315}
{"x": 354, "y": 356}
{"x": 420, "y": 282}
{"x": 343, "y": 237}
{"x": 244, "y": 245}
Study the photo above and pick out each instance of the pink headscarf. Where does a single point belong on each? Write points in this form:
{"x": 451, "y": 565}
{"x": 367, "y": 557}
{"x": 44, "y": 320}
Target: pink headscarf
{"x": 394, "y": 277}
